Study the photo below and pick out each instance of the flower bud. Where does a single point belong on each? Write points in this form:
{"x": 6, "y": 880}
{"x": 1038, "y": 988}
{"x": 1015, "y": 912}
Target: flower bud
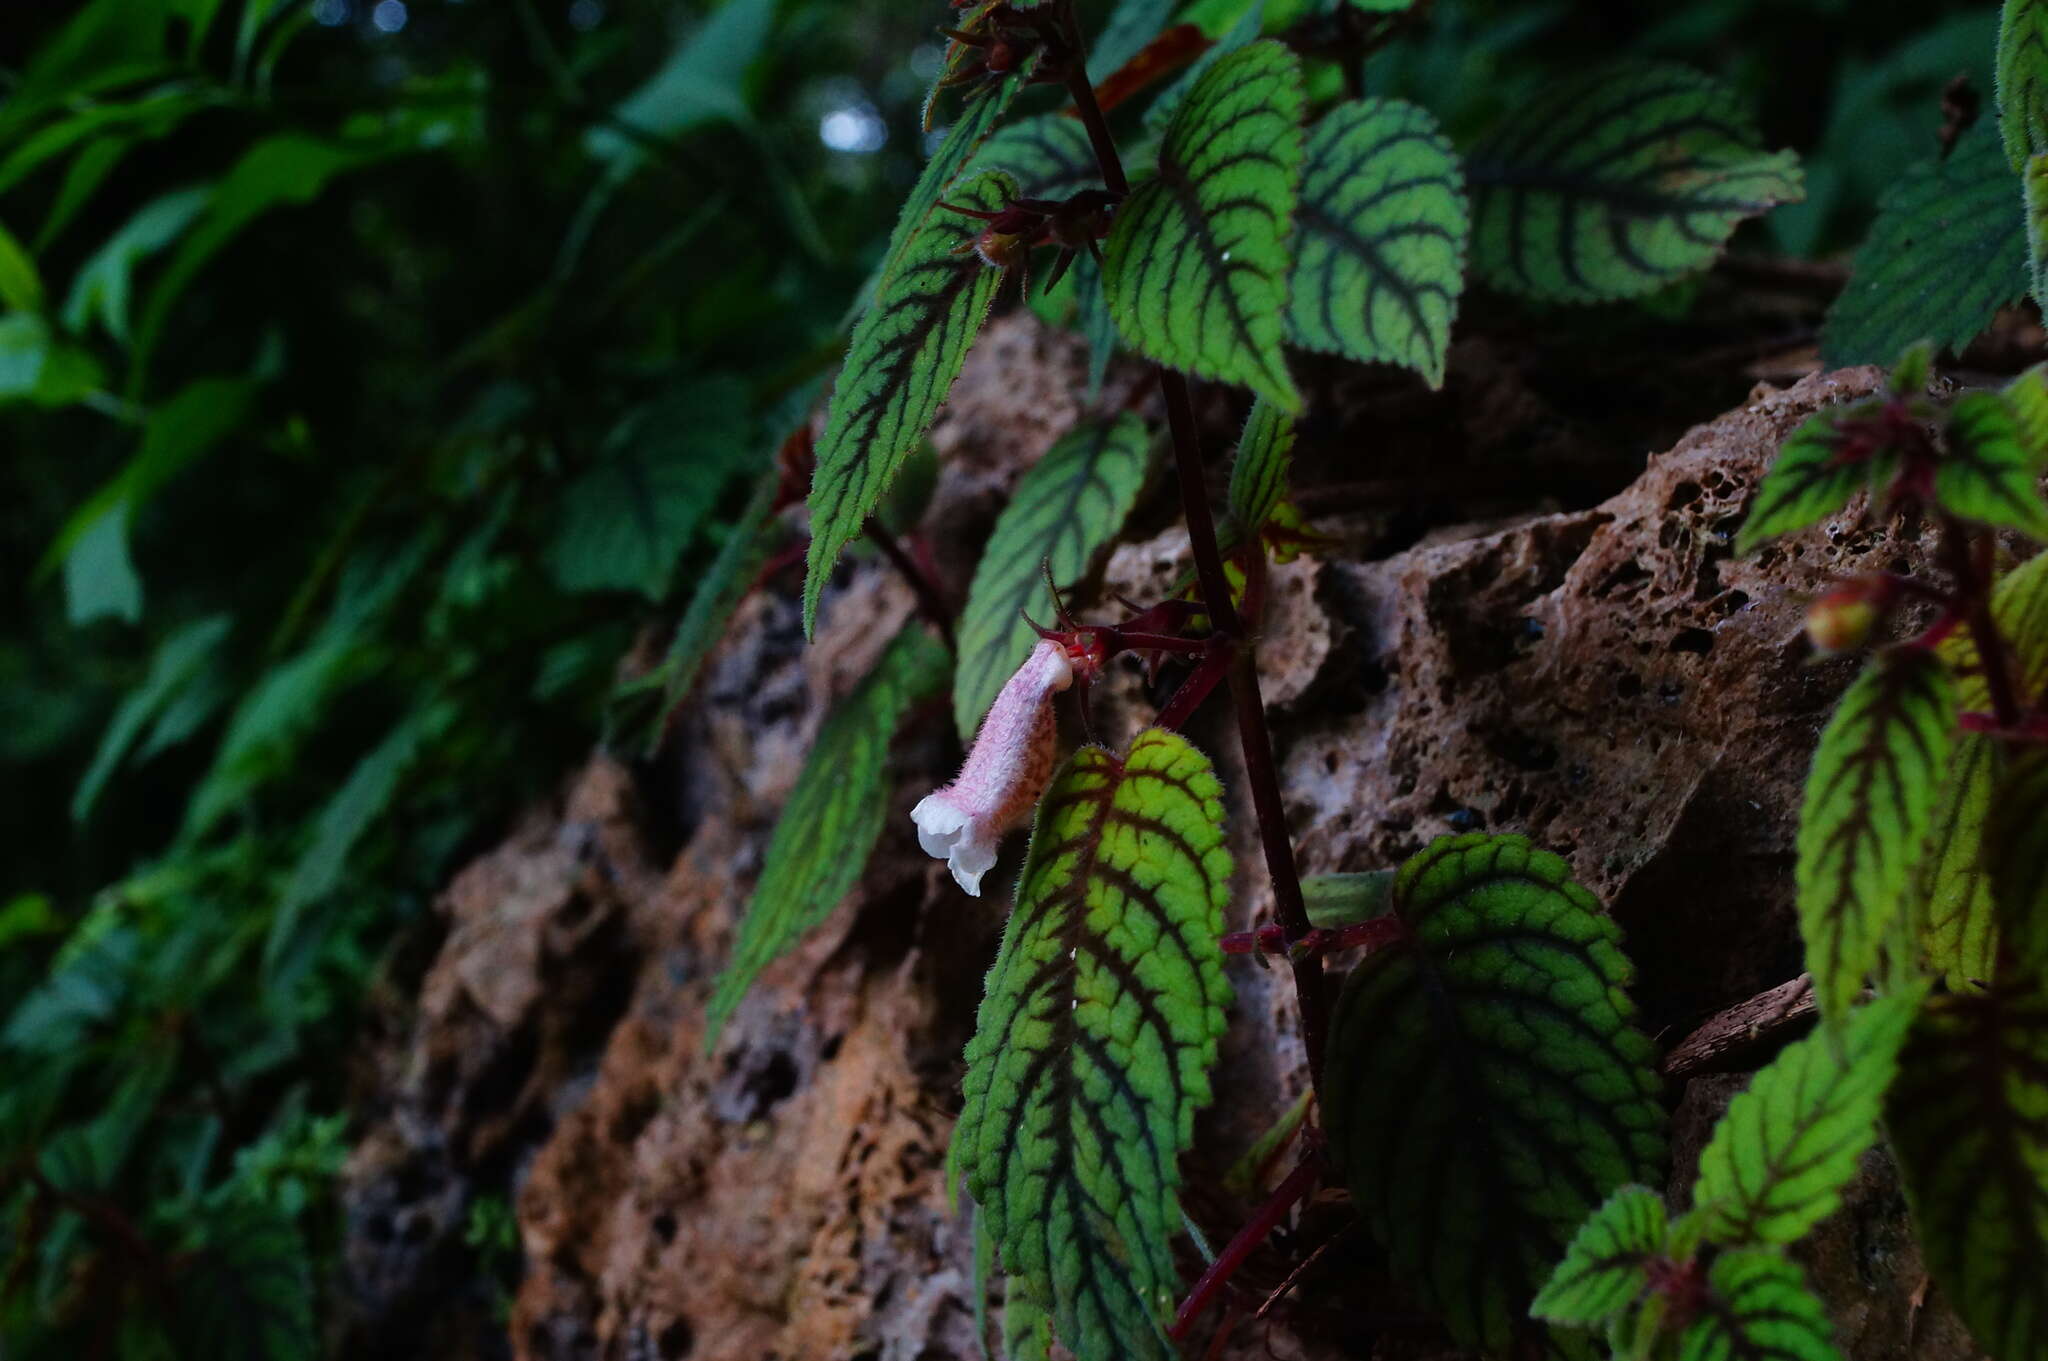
{"x": 1842, "y": 620}
{"x": 1006, "y": 771}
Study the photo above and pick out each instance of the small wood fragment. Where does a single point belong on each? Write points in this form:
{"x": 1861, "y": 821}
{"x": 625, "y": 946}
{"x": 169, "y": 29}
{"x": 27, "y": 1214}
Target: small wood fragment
{"x": 1728, "y": 1041}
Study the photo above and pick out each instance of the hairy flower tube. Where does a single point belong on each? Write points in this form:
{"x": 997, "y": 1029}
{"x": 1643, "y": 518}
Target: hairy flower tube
{"x": 1004, "y": 774}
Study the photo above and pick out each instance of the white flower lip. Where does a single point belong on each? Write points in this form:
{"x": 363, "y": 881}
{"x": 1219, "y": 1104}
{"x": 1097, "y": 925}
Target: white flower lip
{"x": 1004, "y": 774}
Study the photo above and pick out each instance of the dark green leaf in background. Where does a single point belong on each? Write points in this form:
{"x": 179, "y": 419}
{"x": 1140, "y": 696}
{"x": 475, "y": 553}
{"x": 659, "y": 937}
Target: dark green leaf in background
{"x": 1379, "y": 242}
{"x": 1614, "y": 184}
{"x": 1197, "y": 258}
{"x": 1948, "y": 248}
{"x": 1092, "y": 1049}
{"x": 1066, "y": 508}
{"x": 1486, "y": 1089}
{"x": 1869, "y": 807}
{"x": 625, "y": 522}
{"x": 828, "y": 829}
{"x": 905, "y": 354}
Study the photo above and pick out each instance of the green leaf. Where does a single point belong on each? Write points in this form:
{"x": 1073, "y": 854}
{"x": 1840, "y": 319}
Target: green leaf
{"x": 1092, "y": 1049}
{"x": 822, "y": 841}
{"x": 702, "y": 81}
{"x": 905, "y": 354}
{"x": 627, "y": 520}
{"x": 716, "y": 595}
{"x": 1614, "y": 184}
{"x": 37, "y": 365}
{"x": 1957, "y": 919}
{"x": 1027, "y": 1324}
{"x": 1130, "y": 27}
{"x": 2028, "y": 396}
{"x": 179, "y": 658}
{"x": 1987, "y": 475}
{"x": 1098, "y": 328}
{"x": 2022, "y": 79}
{"x": 948, "y": 164}
{"x": 1954, "y": 919}
{"x": 1758, "y": 1308}
{"x": 1808, "y": 481}
{"x": 1605, "y": 1268}
{"x": 1948, "y": 248}
{"x": 1066, "y": 508}
{"x": 1968, "y": 1118}
{"x": 2016, "y": 852}
{"x": 247, "y": 1295}
{"x": 1869, "y": 808}
{"x": 1379, "y": 244}
{"x": 1779, "y": 1158}
{"x": 1258, "y": 476}
{"x": 1485, "y": 1088}
{"x": 21, "y": 287}
{"x": 1343, "y": 899}
{"x": 363, "y": 797}
{"x": 291, "y": 167}
{"x": 100, "y": 580}
{"x": 1196, "y": 262}
{"x": 1049, "y": 156}
{"x": 2034, "y": 188}
{"x": 103, "y": 283}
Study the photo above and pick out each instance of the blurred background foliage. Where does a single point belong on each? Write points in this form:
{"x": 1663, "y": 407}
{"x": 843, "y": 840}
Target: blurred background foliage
{"x": 373, "y": 374}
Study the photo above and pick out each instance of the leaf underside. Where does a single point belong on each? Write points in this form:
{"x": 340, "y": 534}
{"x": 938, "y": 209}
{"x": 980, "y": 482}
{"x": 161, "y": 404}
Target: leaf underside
{"x": 906, "y": 351}
{"x": 1617, "y": 183}
{"x": 1603, "y": 1270}
{"x": 1379, "y": 242}
{"x": 1968, "y": 1117}
{"x": 1758, "y": 1309}
{"x": 1869, "y": 807}
{"x": 1486, "y": 1089}
{"x": 1947, "y": 249}
{"x": 1093, "y": 1045}
{"x": 1258, "y": 475}
{"x": 1197, "y": 259}
{"x": 1067, "y": 506}
{"x": 822, "y": 841}
{"x": 1788, "y": 1144}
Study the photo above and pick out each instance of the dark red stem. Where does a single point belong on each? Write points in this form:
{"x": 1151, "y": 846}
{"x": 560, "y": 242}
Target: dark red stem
{"x": 930, "y": 603}
{"x": 1243, "y": 676}
{"x": 1300, "y": 1183}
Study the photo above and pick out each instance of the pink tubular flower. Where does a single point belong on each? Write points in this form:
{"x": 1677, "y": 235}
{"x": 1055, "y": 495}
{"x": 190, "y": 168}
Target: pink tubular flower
{"x": 1004, "y": 775}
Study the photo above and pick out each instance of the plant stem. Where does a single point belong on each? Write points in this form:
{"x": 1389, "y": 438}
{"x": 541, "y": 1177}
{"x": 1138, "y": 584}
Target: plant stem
{"x": 930, "y": 603}
{"x": 1973, "y": 589}
{"x": 1300, "y": 1183}
{"x": 1256, "y": 742}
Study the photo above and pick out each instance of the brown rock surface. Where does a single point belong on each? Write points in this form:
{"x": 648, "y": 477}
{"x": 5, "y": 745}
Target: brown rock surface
{"x": 1606, "y": 679}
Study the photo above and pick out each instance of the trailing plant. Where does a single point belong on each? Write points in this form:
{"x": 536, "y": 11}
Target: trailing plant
{"x": 1256, "y": 215}
{"x": 1920, "y": 863}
